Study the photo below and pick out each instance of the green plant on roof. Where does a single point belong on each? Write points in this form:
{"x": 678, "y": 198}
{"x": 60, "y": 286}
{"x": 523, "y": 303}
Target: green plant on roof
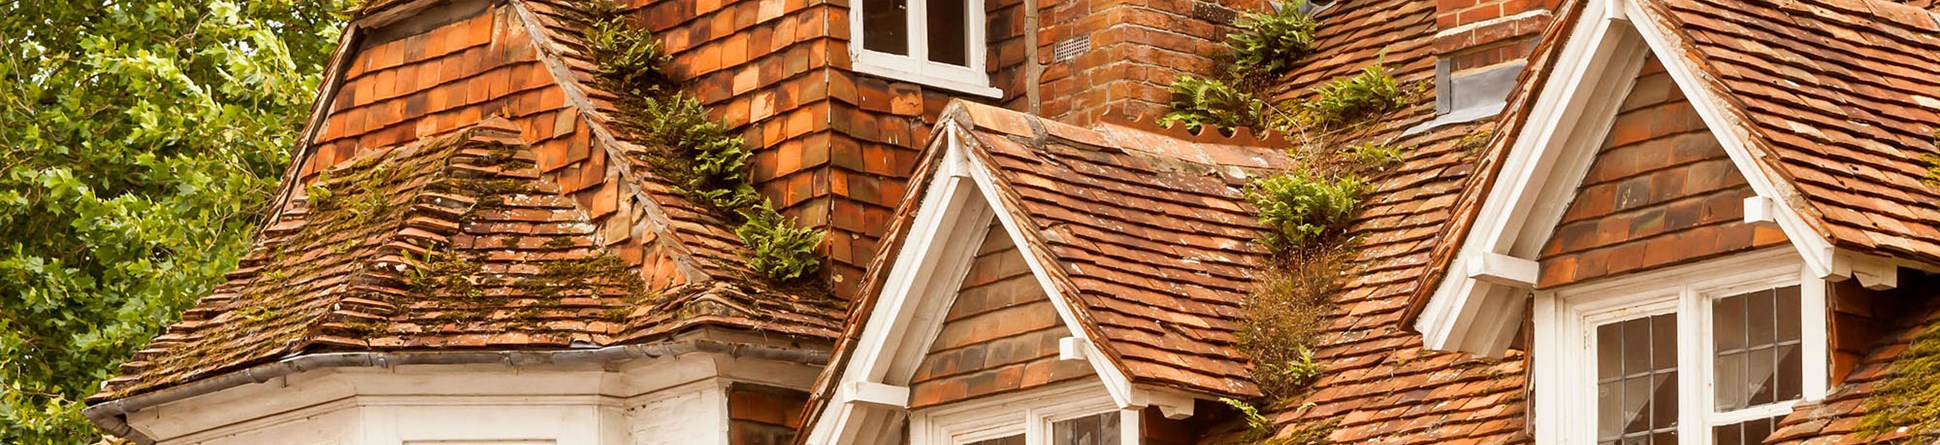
{"x": 1374, "y": 154}
{"x": 629, "y": 61}
{"x": 1269, "y": 42}
{"x": 1199, "y": 102}
{"x": 1299, "y": 209}
{"x": 781, "y": 250}
{"x": 1933, "y": 162}
{"x": 1908, "y": 399}
{"x": 1263, "y": 430}
{"x": 1343, "y": 101}
{"x": 702, "y": 158}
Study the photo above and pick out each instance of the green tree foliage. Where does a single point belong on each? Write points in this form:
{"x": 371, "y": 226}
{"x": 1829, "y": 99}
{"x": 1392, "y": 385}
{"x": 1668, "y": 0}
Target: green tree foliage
{"x": 139, "y": 142}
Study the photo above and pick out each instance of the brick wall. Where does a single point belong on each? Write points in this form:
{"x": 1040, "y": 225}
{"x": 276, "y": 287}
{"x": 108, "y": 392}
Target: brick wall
{"x": 763, "y": 415}
{"x": 1660, "y": 192}
{"x": 1477, "y": 34}
{"x": 1136, "y": 48}
{"x": 1001, "y": 334}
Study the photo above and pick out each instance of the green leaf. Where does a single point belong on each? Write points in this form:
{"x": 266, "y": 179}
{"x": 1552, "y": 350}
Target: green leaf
{"x": 139, "y": 143}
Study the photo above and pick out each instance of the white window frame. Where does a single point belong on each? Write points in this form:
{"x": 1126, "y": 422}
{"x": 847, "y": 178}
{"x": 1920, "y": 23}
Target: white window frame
{"x": 1030, "y": 413}
{"x": 1565, "y": 351}
{"x": 917, "y": 67}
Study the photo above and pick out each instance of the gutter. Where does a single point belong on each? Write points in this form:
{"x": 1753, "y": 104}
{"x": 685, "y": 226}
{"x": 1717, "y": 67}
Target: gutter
{"x": 112, "y": 416}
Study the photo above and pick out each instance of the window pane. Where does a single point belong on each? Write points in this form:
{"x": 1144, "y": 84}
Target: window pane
{"x": 1728, "y": 324}
{"x": 1761, "y": 317}
{"x": 1100, "y": 429}
{"x": 1637, "y": 393}
{"x": 1751, "y": 432}
{"x": 1790, "y": 373}
{"x": 1756, "y": 346}
{"x": 1012, "y": 440}
{"x": 948, "y": 31}
{"x": 885, "y": 26}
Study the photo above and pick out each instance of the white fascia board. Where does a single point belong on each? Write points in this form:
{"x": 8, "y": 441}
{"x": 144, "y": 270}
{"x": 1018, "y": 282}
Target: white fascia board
{"x": 938, "y": 229}
{"x": 1812, "y": 245}
{"x": 1538, "y": 179}
{"x": 1115, "y": 380}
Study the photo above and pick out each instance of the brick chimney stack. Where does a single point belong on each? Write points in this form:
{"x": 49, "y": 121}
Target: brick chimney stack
{"x": 1121, "y": 56}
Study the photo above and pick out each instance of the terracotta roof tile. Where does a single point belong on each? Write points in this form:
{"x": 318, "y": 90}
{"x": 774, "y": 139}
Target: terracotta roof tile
{"x": 1840, "y": 101}
{"x": 1836, "y": 418}
{"x": 1381, "y": 385}
{"x": 584, "y": 193}
{"x": 1155, "y": 250}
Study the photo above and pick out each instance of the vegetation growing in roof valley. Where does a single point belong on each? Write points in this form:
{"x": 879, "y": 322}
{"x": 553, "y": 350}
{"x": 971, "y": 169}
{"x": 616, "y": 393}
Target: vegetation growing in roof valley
{"x": 1262, "y": 430}
{"x": 1200, "y": 102}
{"x": 1908, "y": 400}
{"x": 1305, "y": 212}
{"x": 1933, "y": 162}
{"x": 1268, "y": 42}
{"x": 1264, "y": 49}
{"x": 1347, "y": 100}
{"x": 1302, "y": 211}
{"x": 701, "y": 157}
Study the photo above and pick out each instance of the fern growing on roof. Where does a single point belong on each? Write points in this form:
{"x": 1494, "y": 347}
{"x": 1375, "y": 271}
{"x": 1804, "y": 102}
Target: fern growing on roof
{"x": 1200, "y": 102}
{"x": 703, "y": 158}
{"x": 1269, "y": 42}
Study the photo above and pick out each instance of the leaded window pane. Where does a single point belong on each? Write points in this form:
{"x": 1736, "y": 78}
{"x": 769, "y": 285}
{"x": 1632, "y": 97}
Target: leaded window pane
{"x": 1755, "y": 342}
{"x": 1637, "y": 381}
{"x": 1101, "y": 429}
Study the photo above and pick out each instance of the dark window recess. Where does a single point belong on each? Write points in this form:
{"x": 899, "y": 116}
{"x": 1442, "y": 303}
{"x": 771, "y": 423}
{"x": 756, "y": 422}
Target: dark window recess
{"x": 1755, "y": 337}
{"x": 1751, "y": 432}
{"x": 1637, "y": 381}
{"x": 1100, "y": 429}
{"x": 885, "y": 26}
{"x": 948, "y": 21}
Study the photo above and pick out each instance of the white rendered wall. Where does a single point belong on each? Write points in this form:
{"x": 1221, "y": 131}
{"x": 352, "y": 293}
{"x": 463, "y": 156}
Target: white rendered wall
{"x": 669, "y": 401}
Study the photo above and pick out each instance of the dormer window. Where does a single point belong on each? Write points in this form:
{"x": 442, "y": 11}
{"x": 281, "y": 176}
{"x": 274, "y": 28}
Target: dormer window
{"x": 937, "y": 43}
{"x": 1709, "y": 353}
{"x": 1071, "y": 415}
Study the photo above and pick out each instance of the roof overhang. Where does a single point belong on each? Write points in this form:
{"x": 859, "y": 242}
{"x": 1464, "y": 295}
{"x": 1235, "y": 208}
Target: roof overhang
{"x": 868, "y": 394}
{"x": 1478, "y": 300}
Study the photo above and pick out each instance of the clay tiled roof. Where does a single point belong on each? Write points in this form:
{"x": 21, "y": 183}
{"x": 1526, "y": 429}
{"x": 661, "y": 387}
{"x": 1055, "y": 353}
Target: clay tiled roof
{"x": 1837, "y": 418}
{"x": 1838, "y": 98}
{"x": 1149, "y": 236}
{"x": 1380, "y": 385}
{"x": 450, "y": 242}
{"x": 585, "y": 202}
